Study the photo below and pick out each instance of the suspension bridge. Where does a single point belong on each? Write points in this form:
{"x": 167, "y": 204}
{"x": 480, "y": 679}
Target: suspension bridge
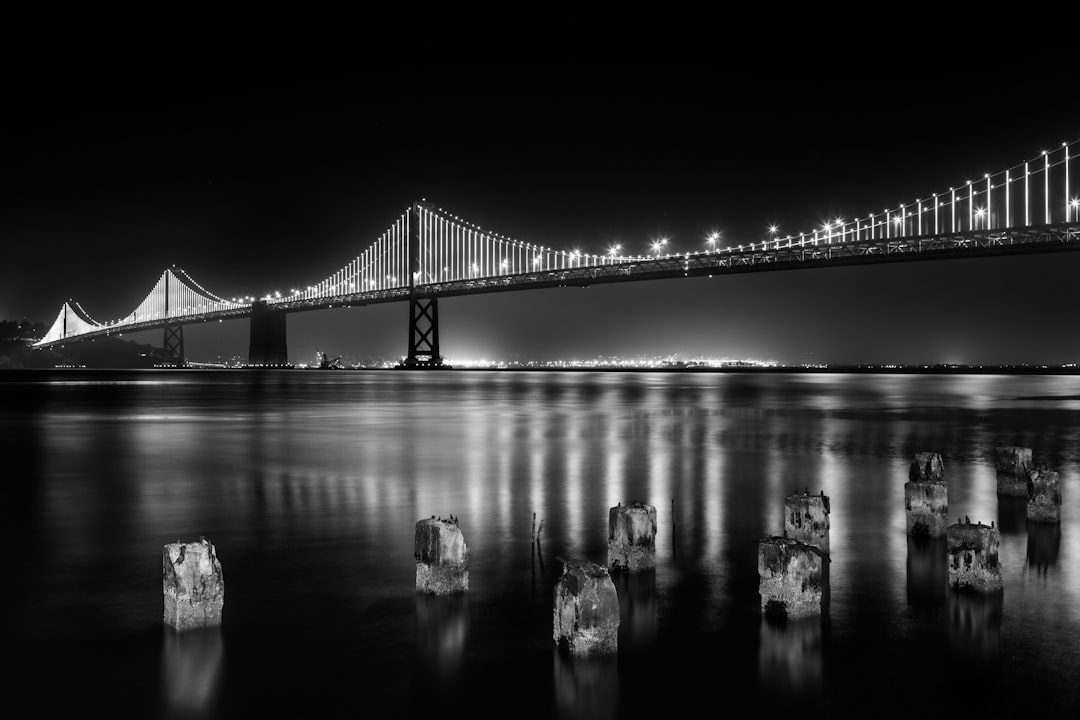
{"x": 428, "y": 253}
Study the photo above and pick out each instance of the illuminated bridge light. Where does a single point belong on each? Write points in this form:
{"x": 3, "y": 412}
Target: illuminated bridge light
{"x": 463, "y": 251}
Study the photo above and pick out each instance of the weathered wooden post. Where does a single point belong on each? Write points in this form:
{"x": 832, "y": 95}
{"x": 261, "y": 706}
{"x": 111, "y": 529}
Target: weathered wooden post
{"x": 442, "y": 557}
{"x": 973, "y": 557}
{"x": 1044, "y": 495}
{"x": 586, "y": 617}
{"x": 806, "y": 518}
{"x": 193, "y": 585}
{"x": 792, "y": 577}
{"x": 632, "y": 537}
{"x": 926, "y": 496}
{"x": 1013, "y": 465}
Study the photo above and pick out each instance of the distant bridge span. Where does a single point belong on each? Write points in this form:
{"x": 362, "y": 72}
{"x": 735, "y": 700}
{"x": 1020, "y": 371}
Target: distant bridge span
{"x": 429, "y": 253}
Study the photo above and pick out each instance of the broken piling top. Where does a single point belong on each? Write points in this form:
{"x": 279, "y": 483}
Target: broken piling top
{"x": 791, "y": 577}
{"x": 927, "y": 505}
{"x": 632, "y": 537}
{"x": 442, "y": 557}
{"x": 927, "y": 467}
{"x": 973, "y": 556}
{"x": 193, "y": 584}
{"x": 1013, "y": 467}
{"x": 926, "y": 496}
{"x": 1012, "y": 459}
{"x": 806, "y": 518}
{"x": 1044, "y": 495}
{"x": 586, "y": 613}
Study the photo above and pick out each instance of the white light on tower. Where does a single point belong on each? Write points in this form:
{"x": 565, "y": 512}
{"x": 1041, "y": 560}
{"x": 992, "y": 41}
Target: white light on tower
{"x": 1066, "y": 146}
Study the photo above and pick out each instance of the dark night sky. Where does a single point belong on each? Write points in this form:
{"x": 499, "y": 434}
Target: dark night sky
{"x": 263, "y": 154}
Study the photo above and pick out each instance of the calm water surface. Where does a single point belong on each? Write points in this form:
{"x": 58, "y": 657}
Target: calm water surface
{"x": 309, "y": 484}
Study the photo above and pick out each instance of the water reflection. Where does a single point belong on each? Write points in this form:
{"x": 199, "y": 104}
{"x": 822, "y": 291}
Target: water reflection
{"x": 442, "y": 625}
{"x": 790, "y": 655}
{"x": 586, "y": 687}
{"x": 1012, "y": 514}
{"x": 975, "y": 626}
{"x": 927, "y": 571}
{"x": 637, "y": 612}
{"x": 1043, "y": 545}
{"x": 191, "y": 670}
{"x": 326, "y": 474}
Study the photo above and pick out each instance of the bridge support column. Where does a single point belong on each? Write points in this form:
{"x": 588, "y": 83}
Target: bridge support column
{"x": 423, "y": 311}
{"x": 174, "y": 344}
{"x": 423, "y": 334}
{"x": 266, "y": 345}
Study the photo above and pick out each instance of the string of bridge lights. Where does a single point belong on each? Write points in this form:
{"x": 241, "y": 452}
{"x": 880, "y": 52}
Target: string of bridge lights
{"x": 895, "y": 223}
{"x": 480, "y": 254}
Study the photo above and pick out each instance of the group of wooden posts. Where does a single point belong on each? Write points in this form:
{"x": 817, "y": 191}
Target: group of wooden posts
{"x": 586, "y": 615}
{"x": 793, "y": 568}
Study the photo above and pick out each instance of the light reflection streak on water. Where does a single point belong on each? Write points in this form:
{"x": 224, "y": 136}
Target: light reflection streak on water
{"x": 714, "y": 508}
{"x": 658, "y": 482}
{"x": 614, "y": 457}
{"x": 359, "y": 474}
{"x": 572, "y": 486}
{"x": 537, "y": 453}
{"x": 777, "y": 476}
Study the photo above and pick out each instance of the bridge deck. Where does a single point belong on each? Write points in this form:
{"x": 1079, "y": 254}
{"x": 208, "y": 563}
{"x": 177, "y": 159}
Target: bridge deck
{"x": 771, "y": 255}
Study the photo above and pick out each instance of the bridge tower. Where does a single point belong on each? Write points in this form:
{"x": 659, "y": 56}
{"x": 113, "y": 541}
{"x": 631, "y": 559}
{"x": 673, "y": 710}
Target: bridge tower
{"x": 423, "y": 311}
{"x": 266, "y": 343}
{"x": 174, "y": 333}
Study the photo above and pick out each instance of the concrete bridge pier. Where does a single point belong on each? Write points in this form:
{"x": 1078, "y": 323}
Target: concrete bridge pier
{"x": 267, "y": 345}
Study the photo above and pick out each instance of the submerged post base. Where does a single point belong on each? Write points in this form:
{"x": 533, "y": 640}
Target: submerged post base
{"x": 442, "y": 557}
{"x": 193, "y": 585}
{"x": 792, "y": 577}
{"x": 586, "y": 616}
{"x": 632, "y": 537}
{"x": 973, "y": 557}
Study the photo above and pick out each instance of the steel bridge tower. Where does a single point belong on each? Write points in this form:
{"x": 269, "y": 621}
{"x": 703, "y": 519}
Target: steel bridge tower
{"x": 423, "y": 310}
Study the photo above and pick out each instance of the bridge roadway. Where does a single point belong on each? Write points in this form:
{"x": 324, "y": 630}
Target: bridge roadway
{"x": 764, "y": 256}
